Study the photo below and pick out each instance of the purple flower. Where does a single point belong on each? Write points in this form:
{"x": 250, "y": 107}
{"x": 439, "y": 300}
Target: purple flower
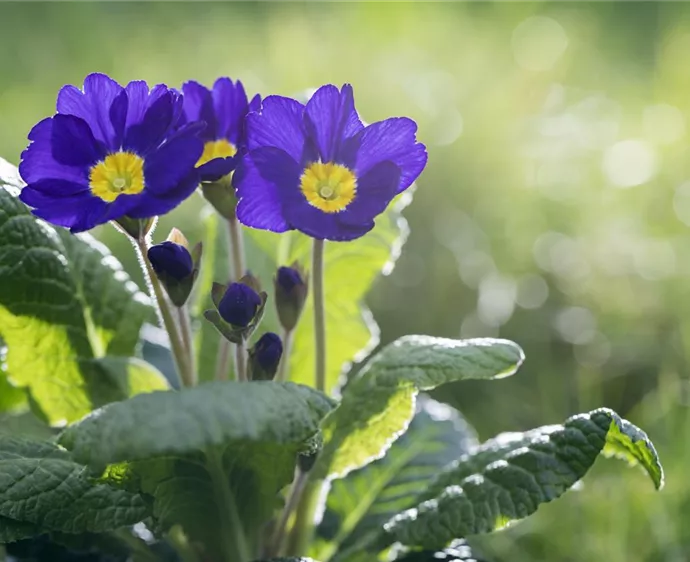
{"x": 109, "y": 152}
{"x": 288, "y": 278}
{"x": 290, "y": 295}
{"x": 264, "y": 357}
{"x": 239, "y": 305}
{"x": 223, "y": 109}
{"x": 318, "y": 169}
{"x": 170, "y": 259}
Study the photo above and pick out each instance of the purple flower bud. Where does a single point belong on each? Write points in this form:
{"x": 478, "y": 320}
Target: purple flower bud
{"x": 239, "y": 304}
{"x": 172, "y": 260}
{"x": 264, "y": 357}
{"x": 290, "y": 294}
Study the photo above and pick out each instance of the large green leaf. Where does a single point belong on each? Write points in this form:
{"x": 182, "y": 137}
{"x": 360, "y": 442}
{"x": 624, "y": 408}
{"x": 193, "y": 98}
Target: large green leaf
{"x": 65, "y": 301}
{"x": 366, "y": 498}
{"x": 457, "y": 551}
{"x": 378, "y": 404}
{"x": 209, "y": 456}
{"x": 11, "y": 398}
{"x": 507, "y": 478}
{"x": 43, "y": 488}
{"x": 350, "y": 270}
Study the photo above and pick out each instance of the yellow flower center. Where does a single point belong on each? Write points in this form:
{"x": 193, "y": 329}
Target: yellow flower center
{"x": 216, "y": 149}
{"x": 329, "y": 187}
{"x": 121, "y": 173}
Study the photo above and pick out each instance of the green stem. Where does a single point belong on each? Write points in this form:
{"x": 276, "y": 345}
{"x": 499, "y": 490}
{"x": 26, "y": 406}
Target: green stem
{"x": 232, "y": 537}
{"x": 165, "y": 314}
{"x": 236, "y": 269}
{"x": 138, "y": 546}
{"x": 294, "y": 495}
{"x": 241, "y": 361}
{"x": 284, "y": 366}
{"x": 185, "y": 324}
{"x": 303, "y": 528}
{"x": 319, "y": 314}
{"x": 180, "y": 543}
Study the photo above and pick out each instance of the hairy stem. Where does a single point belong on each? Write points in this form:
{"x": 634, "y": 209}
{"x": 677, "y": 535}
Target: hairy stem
{"x": 294, "y": 495}
{"x": 185, "y": 324}
{"x": 165, "y": 314}
{"x": 303, "y": 528}
{"x": 236, "y": 269}
{"x": 241, "y": 361}
{"x": 233, "y": 539}
{"x": 319, "y": 314}
{"x": 284, "y": 367}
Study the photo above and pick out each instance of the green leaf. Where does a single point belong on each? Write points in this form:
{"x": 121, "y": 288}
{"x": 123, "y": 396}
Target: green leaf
{"x": 12, "y": 399}
{"x": 350, "y": 270}
{"x": 208, "y": 456}
{"x": 457, "y": 551}
{"x": 11, "y": 530}
{"x": 378, "y": 404}
{"x": 366, "y": 498}
{"x": 126, "y": 376}
{"x": 42, "y": 486}
{"x": 507, "y": 478}
{"x": 65, "y": 302}
{"x": 290, "y": 559}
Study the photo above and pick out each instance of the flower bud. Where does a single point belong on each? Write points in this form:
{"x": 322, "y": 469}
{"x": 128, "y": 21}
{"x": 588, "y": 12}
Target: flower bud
{"x": 136, "y": 228}
{"x": 264, "y": 357}
{"x": 239, "y": 309}
{"x": 290, "y": 294}
{"x": 176, "y": 269}
{"x": 239, "y": 304}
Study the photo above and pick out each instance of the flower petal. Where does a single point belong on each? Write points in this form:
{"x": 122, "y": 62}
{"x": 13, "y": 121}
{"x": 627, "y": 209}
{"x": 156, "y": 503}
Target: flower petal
{"x": 230, "y": 104}
{"x": 37, "y": 160}
{"x": 215, "y": 169}
{"x": 58, "y": 188}
{"x": 331, "y": 118}
{"x": 394, "y": 140}
{"x": 255, "y": 104}
{"x": 149, "y": 204}
{"x": 280, "y": 124}
{"x": 259, "y": 204}
{"x": 148, "y": 134}
{"x": 76, "y": 213}
{"x": 118, "y": 117}
{"x": 173, "y": 161}
{"x": 375, "y": 190}
{"x": 73, "y": 143}
{"x": 198, "y": 106}
{"x": 92, "y": 105}
{"x": 317, "y": 224}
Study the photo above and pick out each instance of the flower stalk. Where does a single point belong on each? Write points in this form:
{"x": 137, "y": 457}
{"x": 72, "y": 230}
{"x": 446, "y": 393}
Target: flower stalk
{"x": 181, "y": 357}
{"x": 284, "y": 368}
{"x": 319, "y": 314}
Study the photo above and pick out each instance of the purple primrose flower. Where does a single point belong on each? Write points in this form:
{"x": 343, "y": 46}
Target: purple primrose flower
{"x": 223, "y": 109}
{"x": 110, "y": 151}
{"x": 318, "y": 169}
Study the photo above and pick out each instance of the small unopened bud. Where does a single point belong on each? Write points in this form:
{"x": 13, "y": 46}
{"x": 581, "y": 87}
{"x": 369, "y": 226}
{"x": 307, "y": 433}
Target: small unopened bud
{"x": 290, "y": 293}
{"x": 176, "y": 269}
{"x": 264, "y": 357}
{"x": 239, "y": 309}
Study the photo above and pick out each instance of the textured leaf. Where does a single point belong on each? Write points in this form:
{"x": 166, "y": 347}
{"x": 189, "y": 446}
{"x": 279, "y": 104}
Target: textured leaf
{"x": 378, "y": 404}
{"x": 350, "y": 270}
{"x": 199, "y": 450}
{"x": 11, "y": 398}
{"x": 366, "y": 498}
{"x": 41, "y": 485}
{"x": 11, "y": 530}
{"x": 457, "y": 551}
{"x": 127, "y": 376}
{"x": 65, "y": 301}
{"x": 507, "y": 478}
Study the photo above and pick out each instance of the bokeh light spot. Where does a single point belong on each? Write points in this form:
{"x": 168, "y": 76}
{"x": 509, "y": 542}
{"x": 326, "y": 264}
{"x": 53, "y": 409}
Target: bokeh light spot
{"x": 629, "y": 163}
{"x": 663, "y": 123}
{"x": 538, "y": 43}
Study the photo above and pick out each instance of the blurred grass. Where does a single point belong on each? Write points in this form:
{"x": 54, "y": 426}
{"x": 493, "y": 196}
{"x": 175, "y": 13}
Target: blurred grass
{"x": 537, "y": 218}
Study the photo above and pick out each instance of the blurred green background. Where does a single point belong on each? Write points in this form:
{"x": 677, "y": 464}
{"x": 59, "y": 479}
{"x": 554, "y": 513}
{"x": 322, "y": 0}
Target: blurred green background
{"x": 555, "y": 209}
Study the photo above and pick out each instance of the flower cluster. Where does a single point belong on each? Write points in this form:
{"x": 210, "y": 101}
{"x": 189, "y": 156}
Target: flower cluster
{"x": 116, "y": 153}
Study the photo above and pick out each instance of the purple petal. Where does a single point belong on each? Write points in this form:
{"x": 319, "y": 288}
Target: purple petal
{"x": 394, "y": 140}
{"x": 255, "y": 104}
{"x": 140, "y": 99}
{"x": 147, "y": 135}
{"x": 198, "y": 106}
{"x": 173, "y": 161}
{"x": 73, "y": 143}
{"x": 331, "y": 118}
{"x": 317, "y": 224}
{"x": 280, "y": 124}
{"x": 150, "y": 204}
{"x": 217, "y": 168}
{"x": 230, "y": 103}
{"x": 37, "y": 160}
{"x": 58, "y": 188}
{"x": 375, "y": 190}
{"x": 76, "y": 213}
{"x": 92, "y": 105}
{"x": 118, "y": 117}
{"x": 259, "y": 204}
